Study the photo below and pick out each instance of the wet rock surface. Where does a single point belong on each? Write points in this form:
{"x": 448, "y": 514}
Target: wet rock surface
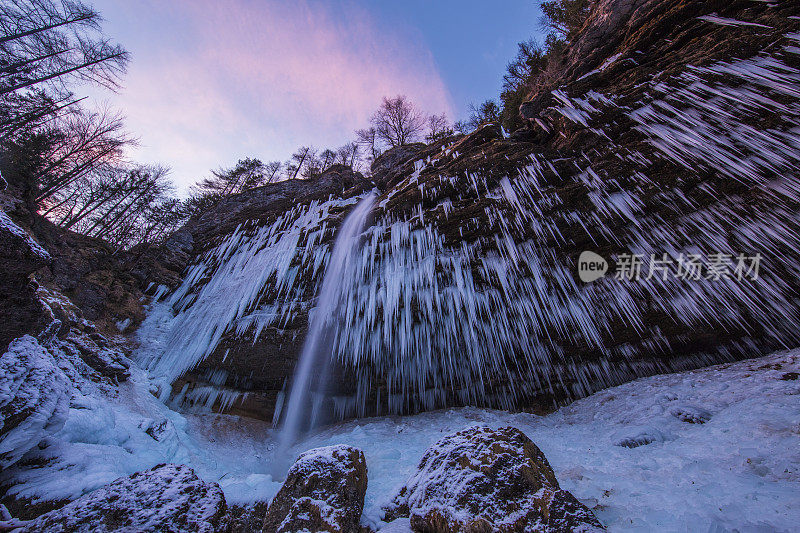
{"x": 488, "y": 480}
{"x": 324, "y": 491}
{"x": 168, "y": 498}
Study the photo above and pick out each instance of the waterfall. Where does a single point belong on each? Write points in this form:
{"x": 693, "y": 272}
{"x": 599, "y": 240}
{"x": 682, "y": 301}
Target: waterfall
{"x": 222, "y": 292}
{"x": 303, "y": 407}
{"x": 463, "y": 289}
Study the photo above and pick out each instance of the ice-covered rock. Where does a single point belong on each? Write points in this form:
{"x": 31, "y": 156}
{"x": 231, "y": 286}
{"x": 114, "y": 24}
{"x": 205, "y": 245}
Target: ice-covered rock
{"x": 481, "y": 479}
{"x": 167, "y": 498}
{"x": 96, "y": 352}
{"x": 34, "y": 398}
{"x": 400, "y": 525}
{"x": 635, "y": 436}
{"x": 324, "y": 491}
{"x": 690, "y": 413}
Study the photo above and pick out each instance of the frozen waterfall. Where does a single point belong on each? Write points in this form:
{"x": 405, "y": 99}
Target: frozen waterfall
{"x": 311, "y": 373}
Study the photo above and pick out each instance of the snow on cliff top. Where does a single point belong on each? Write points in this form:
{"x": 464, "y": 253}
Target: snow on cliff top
{"x": 6, "y": 224}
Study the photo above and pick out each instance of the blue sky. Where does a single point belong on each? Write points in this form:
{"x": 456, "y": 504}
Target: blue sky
{"x": 211, "y": 82}
{"x": 472, "y": 41}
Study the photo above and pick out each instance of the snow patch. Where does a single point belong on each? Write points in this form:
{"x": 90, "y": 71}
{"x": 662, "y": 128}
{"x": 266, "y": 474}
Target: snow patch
{"x": 716, "y": 19}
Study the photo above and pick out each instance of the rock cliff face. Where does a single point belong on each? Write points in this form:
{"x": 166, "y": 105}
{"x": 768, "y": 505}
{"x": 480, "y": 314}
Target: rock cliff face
{"x": 21, "y": 255}
{"x": 250, "y": 368}
{"x": 53, "y": 273}
{"x": 671, "y": 141}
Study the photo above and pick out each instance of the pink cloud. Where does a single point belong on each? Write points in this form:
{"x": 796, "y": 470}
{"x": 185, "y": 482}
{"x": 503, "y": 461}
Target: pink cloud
{"x": 262, "y": 77}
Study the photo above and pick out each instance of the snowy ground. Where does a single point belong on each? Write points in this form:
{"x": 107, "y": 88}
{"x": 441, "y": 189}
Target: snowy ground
{"x": 740, "y": 469}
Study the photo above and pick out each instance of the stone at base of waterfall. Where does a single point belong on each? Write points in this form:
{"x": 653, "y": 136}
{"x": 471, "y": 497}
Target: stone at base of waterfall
{"x": 481, "y": 479}
{"x": 324, "y": 491}
{"x": 168, "y": 498}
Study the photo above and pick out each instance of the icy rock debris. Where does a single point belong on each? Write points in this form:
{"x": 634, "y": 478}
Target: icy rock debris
{"x": 324, "y": 491}
{"x": 481, "y": 479}
{"x": 633, "y": 437}
{"x": 167, "y": 498}
{"x": 34, "y": 398}
{"x": 690, "y": 413}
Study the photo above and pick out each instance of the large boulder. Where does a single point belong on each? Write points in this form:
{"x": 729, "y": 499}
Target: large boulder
{"x": 167, "y": 498}
{"x": 324, "y": 491}
{"x": 481, "y": 480}
{"x": 34, "y": 398}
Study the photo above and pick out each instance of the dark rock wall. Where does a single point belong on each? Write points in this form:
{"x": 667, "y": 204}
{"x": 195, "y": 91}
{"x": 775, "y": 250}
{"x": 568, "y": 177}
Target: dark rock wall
{"x": 20, "y": 256}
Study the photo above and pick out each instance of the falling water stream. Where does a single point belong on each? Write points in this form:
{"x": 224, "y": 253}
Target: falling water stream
{"x": 311, "y": 373}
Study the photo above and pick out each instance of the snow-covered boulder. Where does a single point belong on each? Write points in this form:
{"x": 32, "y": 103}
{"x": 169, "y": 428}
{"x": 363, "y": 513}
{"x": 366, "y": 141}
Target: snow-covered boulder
{"x": 690, "y": 413}
{"x": 97, "y": 352}
{"x": 635, "y": 436}
{"x": 481, "y": 479}
{"x": 167, "y": 498}
{"x": 34, "y": 398}
{"x": 324, "y": 491}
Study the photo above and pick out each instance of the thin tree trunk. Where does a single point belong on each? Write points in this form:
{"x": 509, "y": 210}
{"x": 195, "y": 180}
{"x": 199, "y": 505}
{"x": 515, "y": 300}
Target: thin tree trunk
{"x": 14, "y": 66}
{"x": 62, "y": 202}
{"x": 45, "y": 28}
{"x": 41, "y": 79}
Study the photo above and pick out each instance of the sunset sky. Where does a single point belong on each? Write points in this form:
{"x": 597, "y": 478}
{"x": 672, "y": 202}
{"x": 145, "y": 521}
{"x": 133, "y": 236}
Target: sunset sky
{"x": 211, "y": 82}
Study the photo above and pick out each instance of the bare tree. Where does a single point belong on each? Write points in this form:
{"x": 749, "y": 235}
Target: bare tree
{"x": 326, "y": 159}
{"x": 272, "y": 171}
{"x": 158, "y": 221}
{"x": 297, "y": 164}
{"x": 368, "y": 140}
{"x": 125, "y": 205}
{"x": 145, "y": 185}
{"x": 438, "y": 128}
{"x": 23, "y": 114}
{"x": 530, "y": 59}
{"x": 65, "y": 160}
{"x": 348, "y": 155}
{"x": 485, "y": 113}
{"x": 80, "y": 143}
{"x": 46, "y": 43}
{"x": 45, "y": 46}
{"x": 247, "y": 174}
{"x": 462, "y": 127}
{"x": 398, "y": 121}
{"x": 565, "y": 17}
